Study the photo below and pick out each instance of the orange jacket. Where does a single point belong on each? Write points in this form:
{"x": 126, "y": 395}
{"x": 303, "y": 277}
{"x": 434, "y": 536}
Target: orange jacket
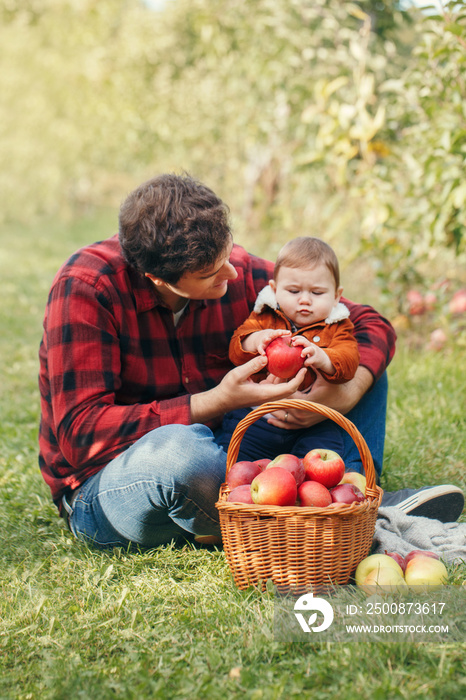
{"x": 335, "y": 336}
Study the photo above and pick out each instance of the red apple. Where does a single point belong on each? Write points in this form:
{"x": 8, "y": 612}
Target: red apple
{"x": 346, "y": 493}
{"x": 241, "y": 494}
{"x": 457, "y": 303}
{"x": 262, "y": 462}
{"x": 242, "y": 473}
{"x": 398, "y": 558}
{"x": 437, "y": 340}
{"x": 311, "y": 493}
{"x": 416, "y": 303}
{"x": 324, "y": 466}
{"x": 284, "y": 359}
{"x": 274, "y": 487}
{"x": 293, "y": 464}
{"x": 419, "y": 552}
{"x": 430, "y": 301}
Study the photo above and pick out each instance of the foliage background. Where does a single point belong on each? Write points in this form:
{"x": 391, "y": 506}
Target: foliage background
{"x": 338, "y": 119}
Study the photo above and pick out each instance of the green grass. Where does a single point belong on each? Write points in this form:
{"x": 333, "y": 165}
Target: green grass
{"x": 169, "y": 623}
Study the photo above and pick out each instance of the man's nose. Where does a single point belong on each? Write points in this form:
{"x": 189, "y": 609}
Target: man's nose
{"x": 229, "y": 271}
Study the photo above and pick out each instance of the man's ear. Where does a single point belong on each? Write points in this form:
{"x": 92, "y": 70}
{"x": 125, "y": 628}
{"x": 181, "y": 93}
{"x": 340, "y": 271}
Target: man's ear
{"x": 156, "y": 280}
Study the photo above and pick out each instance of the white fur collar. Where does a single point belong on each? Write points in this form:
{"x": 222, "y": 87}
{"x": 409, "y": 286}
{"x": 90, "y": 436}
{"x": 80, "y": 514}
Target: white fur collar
{"x": 266, "y": 297}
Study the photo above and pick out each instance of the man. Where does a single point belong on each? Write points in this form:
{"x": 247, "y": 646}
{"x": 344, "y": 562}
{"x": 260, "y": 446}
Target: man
{"x": 135, "y": 377}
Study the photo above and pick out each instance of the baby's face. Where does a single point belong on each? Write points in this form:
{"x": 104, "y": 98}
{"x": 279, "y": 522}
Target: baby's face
{"x": 306, "y": 295}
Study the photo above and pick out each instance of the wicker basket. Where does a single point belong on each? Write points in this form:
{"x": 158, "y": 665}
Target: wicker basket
{"x": 298, "y": 548}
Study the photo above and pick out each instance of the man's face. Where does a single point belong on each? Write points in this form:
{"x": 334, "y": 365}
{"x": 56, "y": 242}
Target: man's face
{"x": 208, "y": 283}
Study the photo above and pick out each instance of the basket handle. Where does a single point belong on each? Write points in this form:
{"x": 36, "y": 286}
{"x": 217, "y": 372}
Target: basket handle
{"x": 270, "y": 407}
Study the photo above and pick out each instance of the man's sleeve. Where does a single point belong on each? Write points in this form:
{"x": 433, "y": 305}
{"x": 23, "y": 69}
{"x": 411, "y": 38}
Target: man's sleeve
{"x": 83, "y": 359}
{"x": 375, "y": 335}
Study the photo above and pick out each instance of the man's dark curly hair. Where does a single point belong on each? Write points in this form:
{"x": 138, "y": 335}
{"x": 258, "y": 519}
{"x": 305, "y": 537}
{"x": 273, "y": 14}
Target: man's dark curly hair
{"x": 171, "y": 225}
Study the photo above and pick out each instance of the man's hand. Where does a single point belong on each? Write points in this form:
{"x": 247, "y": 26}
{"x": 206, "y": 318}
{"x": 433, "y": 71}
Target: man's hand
{"x": 238, "y": 390}
{"x": 341, "y": 397}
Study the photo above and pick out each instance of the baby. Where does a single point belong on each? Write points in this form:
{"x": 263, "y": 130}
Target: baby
{"x": 302, "y": 301}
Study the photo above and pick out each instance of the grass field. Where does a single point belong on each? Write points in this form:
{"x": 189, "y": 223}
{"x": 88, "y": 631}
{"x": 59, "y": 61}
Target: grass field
{"x": 169, "y": 623}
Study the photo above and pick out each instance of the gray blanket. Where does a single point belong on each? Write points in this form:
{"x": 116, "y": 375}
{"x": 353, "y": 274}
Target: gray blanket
{"x": 397, "y": 532}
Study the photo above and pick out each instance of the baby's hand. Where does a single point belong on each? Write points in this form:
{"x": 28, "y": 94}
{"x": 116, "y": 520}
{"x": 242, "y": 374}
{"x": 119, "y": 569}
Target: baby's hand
{"x": 317, "y": 358}
{"x": 258, "y": 341}
{"x": 267, "y": 336}
{"x": 301, "y": 340}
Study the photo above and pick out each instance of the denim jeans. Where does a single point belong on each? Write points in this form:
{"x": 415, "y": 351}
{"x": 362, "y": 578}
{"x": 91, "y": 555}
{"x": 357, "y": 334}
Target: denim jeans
{"x": 165, "y": 485}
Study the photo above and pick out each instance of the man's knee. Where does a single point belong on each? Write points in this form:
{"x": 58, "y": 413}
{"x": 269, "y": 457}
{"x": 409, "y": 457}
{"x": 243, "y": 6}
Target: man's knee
{"x": 181, "y": 450}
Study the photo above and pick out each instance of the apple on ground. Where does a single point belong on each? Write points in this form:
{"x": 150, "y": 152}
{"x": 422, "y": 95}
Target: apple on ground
{"x": 375, "y": 561}
{"x": 457, "y": 304}
{"x": 383, "y": 579}
{"x": 290, "y": 462}
{"x": 311, "y": 493}
{"x": 242, "y": 473}
{"x": 324, "y": 466}
{"x": 425, "y": 573}
{"x": 417, "y": 552}
{"x": 346, "y": 493}
{"x": 355, "y": 478}
{"x": 437, "y": 339}
{"x": 262, "y": 462}
{"x": 416, "y": 303}
{"x": 284, "y": 359}
{"x": 398, "y": 558}
{"x": 241, "y": 494}
{"x": 274, "y": 487}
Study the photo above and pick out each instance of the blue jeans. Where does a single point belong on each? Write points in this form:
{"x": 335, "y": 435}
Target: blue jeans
{"x": 165, "y": 486}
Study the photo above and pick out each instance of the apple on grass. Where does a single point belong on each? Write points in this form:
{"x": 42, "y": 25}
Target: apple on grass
{"x": 311, "y": 493}
{"x": 284, "y": 359}
{"x": 324, "y": 466}
{"x": 398, "y": 558}
{"x": 346, "y": 493}
{"x": 240, "y": 494}
{"x": 425, "y": 573}
{"x": 384, "y": 579}
{"x": 274, "y": 487}
{"x": 356, "y": 479}
{"x": 375, "y": 562}
{"x": 291, "y": 463}
{"x": 419, "y": 552}
{"x": 242, "y": 473}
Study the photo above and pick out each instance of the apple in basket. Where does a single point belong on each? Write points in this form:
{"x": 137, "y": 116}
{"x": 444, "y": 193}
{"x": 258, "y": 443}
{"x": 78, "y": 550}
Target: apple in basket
{"x": 311, "y": 493}
{"x": 355, "y": 478}
{"x": 242, "y": 473}
{"x": 262, "y": 462}
{"x": 240, "y": 494}
{"x": 324, "y": 466}
{"x": 274, "y": 487}
{"x": 292, "y": 464}
{"x": 284, "y": 359}
{"x": 346, "y": 493}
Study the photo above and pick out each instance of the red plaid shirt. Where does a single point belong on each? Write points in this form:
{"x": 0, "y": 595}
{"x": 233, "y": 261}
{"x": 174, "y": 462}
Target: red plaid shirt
{"x": 114, "y": 366}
